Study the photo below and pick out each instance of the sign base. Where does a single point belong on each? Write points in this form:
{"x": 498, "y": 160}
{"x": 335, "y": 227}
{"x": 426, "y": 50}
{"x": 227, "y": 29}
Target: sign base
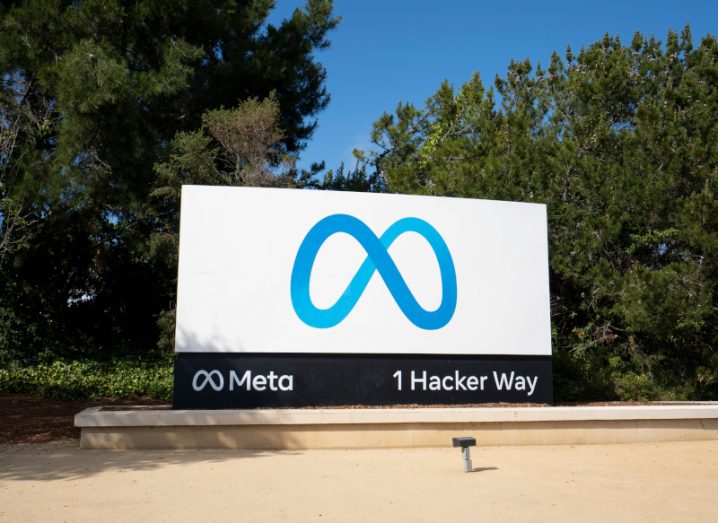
{"x": 249, "y": 380}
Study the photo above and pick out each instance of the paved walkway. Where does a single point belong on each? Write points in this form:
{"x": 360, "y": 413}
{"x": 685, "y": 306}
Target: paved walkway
{"x": 632, "y": 482}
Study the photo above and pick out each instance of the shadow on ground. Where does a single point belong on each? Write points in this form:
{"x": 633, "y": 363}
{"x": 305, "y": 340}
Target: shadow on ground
{"x": 64, "y": 460}
{"x": 38, "y": 441}
{"x": 31, "y": 418}
{"x": 483, "y": 469}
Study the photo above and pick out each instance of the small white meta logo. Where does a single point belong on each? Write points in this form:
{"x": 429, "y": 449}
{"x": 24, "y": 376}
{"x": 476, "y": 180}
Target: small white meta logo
{"x": 213, "y": 377}
{"x": 259, "y": 382}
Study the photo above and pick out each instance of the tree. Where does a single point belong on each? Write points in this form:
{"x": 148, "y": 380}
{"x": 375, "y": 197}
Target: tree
{"x": 621, "y": 143}
{"x": 23, "y": 122}
{"x": 356, "y": 179}
{"x": 239, "y": 146}
{"x": 95, "y": 96}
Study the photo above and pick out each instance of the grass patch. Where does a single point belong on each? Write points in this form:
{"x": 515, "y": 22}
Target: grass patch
{"x": 88, "y": 379}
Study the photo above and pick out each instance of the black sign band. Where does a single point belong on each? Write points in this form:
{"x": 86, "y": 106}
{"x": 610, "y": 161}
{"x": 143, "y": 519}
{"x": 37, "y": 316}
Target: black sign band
{"x": 241, "y": 381}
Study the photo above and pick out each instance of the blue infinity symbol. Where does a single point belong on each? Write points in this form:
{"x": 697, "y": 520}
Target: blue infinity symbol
{"x": 378, "y": 259}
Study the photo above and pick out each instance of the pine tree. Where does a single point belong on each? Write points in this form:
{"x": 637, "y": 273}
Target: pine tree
{"x": 621, "y": 143}
{"x": 95, "y": 94}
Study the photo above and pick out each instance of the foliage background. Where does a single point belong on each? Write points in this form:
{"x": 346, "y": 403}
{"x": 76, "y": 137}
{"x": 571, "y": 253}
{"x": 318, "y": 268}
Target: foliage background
{"x": 108, "y": 107}
{"x": 621, "y": 143}
{"x": 99, "y": 99}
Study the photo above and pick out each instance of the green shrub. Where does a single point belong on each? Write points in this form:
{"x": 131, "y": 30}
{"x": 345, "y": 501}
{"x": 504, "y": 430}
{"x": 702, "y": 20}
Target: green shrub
{"x": 85, "y": 379}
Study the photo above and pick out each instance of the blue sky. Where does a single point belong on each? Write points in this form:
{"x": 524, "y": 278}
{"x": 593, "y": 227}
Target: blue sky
{"x": 388, "y": 51}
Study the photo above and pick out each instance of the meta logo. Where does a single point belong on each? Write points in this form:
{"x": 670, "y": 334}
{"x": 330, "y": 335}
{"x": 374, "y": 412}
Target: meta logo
{"x": 212, "y": 378}
{"x": 377, "y": 259}
{"x": 247, "y": 381}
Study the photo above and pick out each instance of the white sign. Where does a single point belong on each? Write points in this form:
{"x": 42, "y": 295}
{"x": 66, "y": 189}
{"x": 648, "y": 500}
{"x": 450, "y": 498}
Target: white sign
{"x": 299, "y": 271}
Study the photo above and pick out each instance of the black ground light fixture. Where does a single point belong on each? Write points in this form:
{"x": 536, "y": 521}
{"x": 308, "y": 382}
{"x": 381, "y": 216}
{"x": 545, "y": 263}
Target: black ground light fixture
{"x": 465, "y": 443}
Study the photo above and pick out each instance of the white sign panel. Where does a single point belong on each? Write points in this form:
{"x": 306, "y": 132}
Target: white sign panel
{"x": 299, "y": 271}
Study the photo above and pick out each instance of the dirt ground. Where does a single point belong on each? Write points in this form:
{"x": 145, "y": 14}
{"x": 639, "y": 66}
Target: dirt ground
{"x": 44, "y": 476}
{"x": 636, "y": 482}
{"x": 28, "y": 418}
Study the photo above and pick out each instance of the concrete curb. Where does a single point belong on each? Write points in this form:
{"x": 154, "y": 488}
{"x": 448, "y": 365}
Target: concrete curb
{"x": 102, "y": 417}
{"x": 380, "y": 428}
